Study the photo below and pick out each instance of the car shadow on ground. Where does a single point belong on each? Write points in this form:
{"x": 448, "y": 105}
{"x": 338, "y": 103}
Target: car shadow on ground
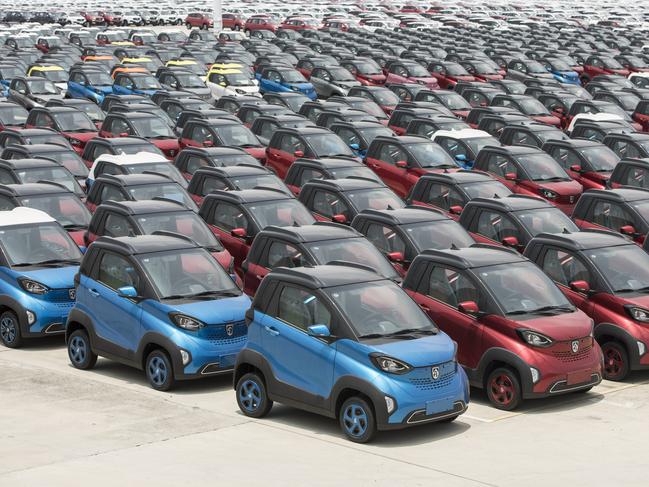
{"x": 42, "y": 344}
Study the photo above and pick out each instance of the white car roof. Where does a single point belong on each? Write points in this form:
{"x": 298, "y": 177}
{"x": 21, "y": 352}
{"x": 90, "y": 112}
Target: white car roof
{"x": 22, "y": 215}
{"x": 461, "y": 134}
{"x": 639, "y": 75}
{"x": 139, "y": 158}
{"x": 599, "y": 117}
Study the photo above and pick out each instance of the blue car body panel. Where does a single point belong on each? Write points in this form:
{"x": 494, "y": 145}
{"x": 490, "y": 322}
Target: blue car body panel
{"x": 268, "y": 86}
{"x": 94, "y": 93}
{"x": 569, "y": 77}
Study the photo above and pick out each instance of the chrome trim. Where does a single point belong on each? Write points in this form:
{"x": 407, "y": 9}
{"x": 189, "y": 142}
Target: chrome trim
{"x": 62, "y": 330}
{"x": 437, "y": 418}
{"x": 575, "y": 388}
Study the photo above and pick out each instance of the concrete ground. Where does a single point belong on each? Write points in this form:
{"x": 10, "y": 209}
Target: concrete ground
{"x": 106, "y": 427}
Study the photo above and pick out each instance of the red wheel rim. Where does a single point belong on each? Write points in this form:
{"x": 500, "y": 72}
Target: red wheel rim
{"x": 502, "y": 389}
{"x": 613, "y": 362}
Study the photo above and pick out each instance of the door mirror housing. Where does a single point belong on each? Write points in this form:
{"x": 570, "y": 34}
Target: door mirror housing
{"x": 460, "y": 157}
{"x": 511, "y": 176}
{"x": 319, "y": 331}
{"x": 575, "y": 168}
{"x": 510, "y": 242}
{"x": 354, "y": 146}
{"x": 127, "y": 292}
{"x": 396, "y": 257}
{"x": 239, "y": 232}
{"x": 123, "y": 134}
{"x": 456, "y": 209}
{"x": 208, "y": 143}
{"x": 339, "y": 218}
{"x": 298, "y": 153}
{"x": 580, "y": 286}
{"x": 468, "y": 308}
{"x": 402, "y": 164}
{"x": 628, "y": 230}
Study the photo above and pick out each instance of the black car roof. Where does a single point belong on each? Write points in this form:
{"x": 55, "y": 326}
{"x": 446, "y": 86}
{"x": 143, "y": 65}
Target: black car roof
{"x": 404, "y": 216}
{"x": 512, "y": 202}
{"x": 40, "y": 148}
{"x": 145, "y": 206}
{"x": 144, "y": 244}
{"x": 474, "y": 256}
{"x": 584, "y": 240}
{"x": 28, "y": 163}
{"x": 324, "y": 276}
{"x": 245, "y": 196}
{"x": 312, "y": 233}
{"x": 30, "y": 189}
{"x": 216, "y": 151}
{"x": 576, "y": 143}
{"x": 619, "y": 194}
{"x": 233, "y": 171}
{"x": 345, "y": 184}
{"x": 329, "y": 162}
{"x": 459, "y": 177}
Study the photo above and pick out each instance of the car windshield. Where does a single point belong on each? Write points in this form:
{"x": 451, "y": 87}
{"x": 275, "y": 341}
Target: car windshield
{"x": 368, "y": 68}
{"x": 56, "y": 76}
{"x": 600, "y": 158}
{"x": 417, "y": 71}
{"x": 260, "y": 180}
{"x": 430, "y": 154}
{"x": 237, "y": 135}
{"x": 522, "y": 288}
{"x": 190, "y": 80}
{"x": 477, "y": 143}
{"x": 628, "y": 102}
{"x": 170, "y": 191}
{"x": 452, "y": 100}
{"x": 376, "y": 199}
{"x": 611, "y": 63}
{"x": 69, "y": 160}
{"x": 542, "y": 167}
{"x": 483, "y": 68}
{"x": 295, "y": 101}
{"x": 515, "y": 87}
{"x": 233, "y": 160}
{"x": 281, "y": 213}
{"x": 558, "y": 65}
{"x": 625, "y": 267}
{"x": 135, "y": 148}
{"x": 641, "y": 207}
{"x": 185, "y": 223}
{"x": 54, "y": 173}
{"x": 162, "y": 167}
{"x": 386, "y": 97}
{"x": 42, "y": 87}
{"x": 550, "y": 134}
{"x": 99, "y": 78}
{"x": 152, "y": 127}
{"x": 371, "y": 133}
{"x": 9, "y": 73}
{"x": 341, "y": 74}
{"x": 238, "y": 79}
{"x": 535, "y": 67}
{"x": 375, "y": 309}
{"x": 49, "y": 243}
{"x": 353, "y": 171}
{"x": 531, "y": 106}
{"x": 636, "y": 62}
{"x": 356, "y": 250}
{"x": 324, "y": 145}
{"x": 546, "y": 220}
{"x": 67, "y": 209}
{"x": 486, "y": 189}
{"x": 440, "y": 234}
{"x": 48, "y": 138}
{"x": 293, "y": 77}
{"x": 368, "y": 106}
{"x": 11, "y": 114}
{"x": 187, "y": 273}
{"x": 456, "y": 70}
{"x": 146, "y": 83}
{"x": 74, "y": 121}
{"x": 93, "y": 111}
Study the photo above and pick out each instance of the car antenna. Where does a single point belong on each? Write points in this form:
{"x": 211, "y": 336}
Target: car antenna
{"x": 496, "y": 197}
{"x": 389, "y": 207}
{"x": 565, "y": 230}
{"x": 454, "y": 247}
{"x": 295, "y": 223}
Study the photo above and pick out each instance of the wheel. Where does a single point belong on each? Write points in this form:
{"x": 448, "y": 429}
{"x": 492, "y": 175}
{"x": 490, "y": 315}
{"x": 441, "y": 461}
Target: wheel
{"x": 616, "y": 361}
{"x": 252, "y": 397}
{"x": 10, "y": 330}
{"x": 237, "y": 27}
{"x": 203, "y": 27}
{"x": 80, "y": 352}
{"x": 504, "y": 389}
{"x": 188, "y": 25}
{"x": 159, "y": 370}
{"x": 357, "y": 421}
{"x": 247, "y": 32}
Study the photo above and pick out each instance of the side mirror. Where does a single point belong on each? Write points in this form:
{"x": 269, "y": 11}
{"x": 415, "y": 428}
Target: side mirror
{"x": 559, "y": 109}
{"x": 208, "y": 143}
{"x": 239, "y": 232}
{"x": 580, "y": 286}
{"x": 123, "y": 134}
{"x": 628, "y": 230}
{"x": 339, "y": 218}
{"x": 298, "y": 153}
{"x": 319, "y": 331}
{"x": 402, "y": 164}
{"x": 468, "y": 308}
{"x": 460, "y": 157}
{"x": 575, "y": 168}
{"x": 354, "y": 146}
{"x": 396, "y": 257}
{"x": 456, "y": 209}
{"x": 510, "y": 176}
{"x": 127, "y": 292}
{"x": 510, "y": 241}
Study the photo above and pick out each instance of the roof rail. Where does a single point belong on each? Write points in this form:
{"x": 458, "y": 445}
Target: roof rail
{"x": 165, "y": 233}
{"x": 345, "y": 263}
{"x": 54, "y": 183}
{"x": 153, "y": 173}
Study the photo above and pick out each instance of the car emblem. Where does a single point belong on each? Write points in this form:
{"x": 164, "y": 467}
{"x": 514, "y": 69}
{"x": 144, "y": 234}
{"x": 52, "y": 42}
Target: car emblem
{"x": 572, "y": 199}
{"x": 435, "y": 373}
{"x": 229, "y": 329}
{"x": 575, "y": 346}
{"x": 72, "y": 293}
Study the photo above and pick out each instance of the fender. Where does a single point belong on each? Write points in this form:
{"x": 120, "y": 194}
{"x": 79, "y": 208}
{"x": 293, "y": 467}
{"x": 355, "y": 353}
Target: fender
{"x": 153, "y": 338}
{"x": 609, "y": 329}
{"x": 254, "y": 358}
{"x": 78, "y": 316}
{"x": 377, "y": 397}
{"x": 17, "y": 308}
{"x": 497, "y": 354}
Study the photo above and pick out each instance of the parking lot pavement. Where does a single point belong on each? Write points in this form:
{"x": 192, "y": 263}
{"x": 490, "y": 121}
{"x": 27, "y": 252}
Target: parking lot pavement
{"x": 64, "y": 427}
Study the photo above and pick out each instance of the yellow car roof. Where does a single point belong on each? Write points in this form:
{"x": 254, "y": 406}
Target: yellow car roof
{"x": 136, "y": 60}
{"x": 181, "y": 63}
{"x": 225, "y": 71}
{"x": 45, "y": 68}
{"x": 219, "y": 67}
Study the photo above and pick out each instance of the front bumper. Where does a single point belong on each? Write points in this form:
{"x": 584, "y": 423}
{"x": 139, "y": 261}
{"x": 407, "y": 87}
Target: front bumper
{"x": 209, "y": 356}
{"x": 50, "y": 315}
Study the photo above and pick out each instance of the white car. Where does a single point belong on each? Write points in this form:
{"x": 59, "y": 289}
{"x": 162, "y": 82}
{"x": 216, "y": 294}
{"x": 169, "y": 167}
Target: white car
{"x": 231, "y": 81}
{"x": 134, "y": 164}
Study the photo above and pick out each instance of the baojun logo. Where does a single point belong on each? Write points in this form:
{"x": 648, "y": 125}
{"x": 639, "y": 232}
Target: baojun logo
{"x": 575, "y": 346}
{"x": 435, "y": 373}
{"x": 229, "y": 330}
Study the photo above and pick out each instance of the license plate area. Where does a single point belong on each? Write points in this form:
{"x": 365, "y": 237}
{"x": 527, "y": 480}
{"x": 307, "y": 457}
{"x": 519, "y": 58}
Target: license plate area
{"x": 439, "y": 406}
{"x": 578, "y": 377}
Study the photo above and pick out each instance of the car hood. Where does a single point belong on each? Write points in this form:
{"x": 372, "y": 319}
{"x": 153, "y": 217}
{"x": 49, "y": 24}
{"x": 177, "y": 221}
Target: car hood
{"x": 600, "y": 177}
{"x": 347, "y": 84}
{"x": 563, "y": 188}
{"x": 373, "y": 77}
{"x": 548, "y": 120}
{"x": 565, "y": 326}
{"x": 421, "y": 352}
{"x": 568, "y": 74}
{"x": 82, "y": 136}
{"x": 256, "y": 152}
{"x": 299, "y": 86}
{"x": 165, "y": 144}
{"x": 52, "y": 277}
{"x": 215, "y": 311}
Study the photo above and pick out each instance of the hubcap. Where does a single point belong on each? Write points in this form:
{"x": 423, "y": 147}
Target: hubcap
{"x": 8, "y": 329}
{"x": 502, "y": 389}
{"x": 250, "y": 395}
{"x": 158, "y": 371}
{"x": 78, "y": 350}
{"x": 613, "y": 362}
{"x": 355, "y": 420}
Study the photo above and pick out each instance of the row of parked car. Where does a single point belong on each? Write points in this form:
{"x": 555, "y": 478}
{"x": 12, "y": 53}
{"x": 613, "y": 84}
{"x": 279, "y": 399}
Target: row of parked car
{"x": 366, "y": 253}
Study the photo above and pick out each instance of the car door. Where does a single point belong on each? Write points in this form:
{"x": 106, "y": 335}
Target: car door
{"x": 385, "y": 166}
{"x": 444, "y": 197}
{"x": 390, "y": 243}
{"x": 564, "y": 267}
{"x": 303, "y": 365}
{"x": 496, "y": 226}
{"x": 440, "y": 291}
{"x": 276, "y": 253}
{"x": 224, "y": 217}
{"x": 607, "y": 215}
{"x": 328, "y": 206}
{"x": 116, "y": 320}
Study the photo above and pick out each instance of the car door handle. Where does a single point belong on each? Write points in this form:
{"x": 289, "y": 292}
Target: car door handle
{"x": 93, "y": 292}
{"x": 272, "y": 330}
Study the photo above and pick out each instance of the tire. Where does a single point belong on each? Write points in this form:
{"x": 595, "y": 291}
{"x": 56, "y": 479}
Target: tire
{"x": 189, "y": 26}
{"x": 159, "y": 370}
{"x": 237, "y": 28}
{"x": 247, "y": 32}
{"x": 356, "y": 419}
{"x": 504, "y": 389}
{"x": 80, "y": 352}
{"x": 616, "y": 361}
{"x": 252, "y": 398}
{"x": 10, "y": 330}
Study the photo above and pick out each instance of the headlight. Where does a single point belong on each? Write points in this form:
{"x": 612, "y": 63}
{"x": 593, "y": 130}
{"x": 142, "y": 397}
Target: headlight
{"x": 534, "y": 338}
{"x": 240, "y": 91}
{"x": 639, "y": 314}
{"x": 295, "y": 88}
{"x": 76, "y": 142}
{"x": 390, "y": 365}
{"x": 186, "y": 322}
{"x": 33, "y": 287}
{"x": 546, "y": 193}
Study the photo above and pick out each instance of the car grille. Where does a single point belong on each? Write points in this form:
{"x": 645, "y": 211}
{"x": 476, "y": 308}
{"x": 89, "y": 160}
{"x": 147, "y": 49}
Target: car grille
{"x": 217, "y": 334}
{"x": 573, "y": 357}
{"x": 60, "y": 296}
{"x": 423, "y": 380}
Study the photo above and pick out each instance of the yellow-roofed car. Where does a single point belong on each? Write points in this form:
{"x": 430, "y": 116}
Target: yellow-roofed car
{"x": 231, "y": 79}
{"x": 56, "y": 74}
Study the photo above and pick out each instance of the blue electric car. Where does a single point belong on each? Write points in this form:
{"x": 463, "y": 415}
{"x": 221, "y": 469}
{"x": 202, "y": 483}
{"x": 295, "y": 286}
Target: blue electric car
{"x": 159, "y": 303}
{"x": 349, "y": 344}
{"x": 284, "y": 79}
{"x": 38, "y": 261}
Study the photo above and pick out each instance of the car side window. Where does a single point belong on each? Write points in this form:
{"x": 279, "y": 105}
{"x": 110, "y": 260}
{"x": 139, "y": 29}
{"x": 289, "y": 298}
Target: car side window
{"x": 120, "y": 127}
{"x": 302, "y": 309}
{"x": 329, "y": 204}
{"x": 636, "y": 177}
{"x": 281, "y": 254}
{"x": 116, "y": 271}
{"x": 520, "y": 137}
{"x": 213, "y": 184}
{"x": 496, "y": 226}
{"x": 118, "y": 226}
{"x": 563, "y": 267}
{"x": 274, "y": 76}
{"x": 229, "y": 217}
{"x": 267, "y": 130}
{"x": 452, "y": 146}
{"x": 108, "y": 168}
{"x": 194, "y": 163}
{"x": 565, "y": 157}
{"x": 291, "y": 144}
{"x": 451, "y": 287}
{"x": 476, "y": 99}
{"x": 309, "y": 174}
{"x": 348, "y": 136}
{"x": 610, "y": 215}
{"x": 110, "y": 193}
{"x": 501, "y": 165}
{"x": 386, "y": 239}
{"x": 444, "y": 196}
{"x": 6, "y": 203}
{"x": 201, "y": 134}
{"x": 5, "y": 177}
{"x": 391, "y": 154}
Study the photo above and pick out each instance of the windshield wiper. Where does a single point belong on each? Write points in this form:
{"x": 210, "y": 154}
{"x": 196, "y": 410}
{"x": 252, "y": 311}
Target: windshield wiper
{"x": 160, "y": 137}
{"x": 630, "y": 290}
{"x": 542, "y": 310}
{"x": 75, "y": 226}
{"x": 372, "y": 335}
{"x": 249, "y": 145}
{"x": 48, "y": 262}
{"x": 231, "y": 293}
